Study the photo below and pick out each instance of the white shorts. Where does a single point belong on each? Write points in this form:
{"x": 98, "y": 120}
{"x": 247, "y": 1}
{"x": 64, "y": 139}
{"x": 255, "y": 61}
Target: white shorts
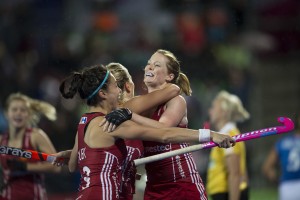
{"x": 289, "y": 190}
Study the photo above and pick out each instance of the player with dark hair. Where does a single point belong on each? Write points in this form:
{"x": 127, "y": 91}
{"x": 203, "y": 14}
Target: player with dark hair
{"x": 100, "y": 155}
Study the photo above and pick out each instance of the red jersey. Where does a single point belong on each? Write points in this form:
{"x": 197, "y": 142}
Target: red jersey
{"x": 100, "y": 168}
{"x": 177, "y": 169}
{"x": 21, "y": 184}
{"x": 135, "y": 150}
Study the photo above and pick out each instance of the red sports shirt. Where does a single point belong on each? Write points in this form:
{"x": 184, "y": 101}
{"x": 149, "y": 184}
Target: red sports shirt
{"x": 100, "y": 168}
{"x": 20, "y": 184}
{"x": 180, "y": 169}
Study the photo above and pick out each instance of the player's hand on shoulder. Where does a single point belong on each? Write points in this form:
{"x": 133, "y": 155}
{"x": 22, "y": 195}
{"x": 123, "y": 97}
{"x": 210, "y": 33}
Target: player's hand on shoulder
{"x": 116, "y": 117}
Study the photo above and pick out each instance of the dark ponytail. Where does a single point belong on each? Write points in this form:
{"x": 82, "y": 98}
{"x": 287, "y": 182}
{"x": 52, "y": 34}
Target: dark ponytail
{"x": 85, "y": 83}
{"x": 71, "y": 85}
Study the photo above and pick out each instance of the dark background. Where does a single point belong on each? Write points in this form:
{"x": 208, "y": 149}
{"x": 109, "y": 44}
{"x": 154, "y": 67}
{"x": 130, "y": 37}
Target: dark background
{"x": 247, "y": 47}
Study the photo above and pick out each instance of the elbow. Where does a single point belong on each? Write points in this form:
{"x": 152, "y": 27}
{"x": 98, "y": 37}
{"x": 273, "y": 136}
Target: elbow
{"x": 72, "y": 166}
{"x": 57, "y": 169}
{"x": 72, "y": 169}
{"x": 176, "y": 89}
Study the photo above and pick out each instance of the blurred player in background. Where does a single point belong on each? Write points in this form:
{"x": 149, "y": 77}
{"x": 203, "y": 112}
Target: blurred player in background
{"x": 227, "y": 173}
{"x": 23, "y": 179}
{"x": 286, "y": 153}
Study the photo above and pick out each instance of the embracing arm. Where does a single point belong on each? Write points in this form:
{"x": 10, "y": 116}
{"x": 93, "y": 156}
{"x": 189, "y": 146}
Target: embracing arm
{"x": 142, "y": 103}
{"x": 174, "y": 113}
{"x": 131, "y": 130}
{"x": 147, "y": 121}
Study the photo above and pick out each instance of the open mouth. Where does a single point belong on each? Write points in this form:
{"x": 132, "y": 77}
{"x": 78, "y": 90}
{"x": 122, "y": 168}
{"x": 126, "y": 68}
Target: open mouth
{"x": 149, "y": 74}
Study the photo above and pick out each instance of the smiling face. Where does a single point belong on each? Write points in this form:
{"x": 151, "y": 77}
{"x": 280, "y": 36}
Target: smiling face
{"x": 124, "y": 80}
{"x": 18, "y": 114}
{"x": 113, "y": 91}
{"x": 156, "y": 72}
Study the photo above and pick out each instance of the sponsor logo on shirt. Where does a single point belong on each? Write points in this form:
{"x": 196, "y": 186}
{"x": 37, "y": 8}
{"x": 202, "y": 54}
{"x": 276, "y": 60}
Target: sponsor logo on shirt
{"x": 158, "y": 148}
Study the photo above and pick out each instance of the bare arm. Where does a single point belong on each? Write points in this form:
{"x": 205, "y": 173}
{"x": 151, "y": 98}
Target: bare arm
{"x": 174, "y": 113}
{"x": 142, "y": 103}
{"x": 234, "y": 176}
{"x": 269, "y": 169}
{"x": 172, "y": 116}
{"x": 73, "y": 159}
{"x": 62, "y": 158}
{"x": 41, "y": 142}
{"x": 131, "y": 130}
{"x": 147, "y": 121}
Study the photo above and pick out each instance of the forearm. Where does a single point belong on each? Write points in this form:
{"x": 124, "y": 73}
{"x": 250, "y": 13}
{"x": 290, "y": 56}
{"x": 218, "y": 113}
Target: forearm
{"x": 270, "y": 173}
{"x": 66, "y": 153}
{"x": 146, "y": 121}
{"x": 176, "y": 135}
{"x": 143, "y": 103}
{"x": 234, "y": 187}
{"x": 73, "y": 160}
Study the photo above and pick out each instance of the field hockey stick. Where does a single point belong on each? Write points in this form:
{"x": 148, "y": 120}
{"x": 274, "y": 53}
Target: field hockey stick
{"x": 287, "y": 125}
{"x": 28, "y": 154}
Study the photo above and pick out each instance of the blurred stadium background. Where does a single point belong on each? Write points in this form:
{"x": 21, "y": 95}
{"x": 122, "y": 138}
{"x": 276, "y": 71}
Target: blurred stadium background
{"x": 248, "y": 47}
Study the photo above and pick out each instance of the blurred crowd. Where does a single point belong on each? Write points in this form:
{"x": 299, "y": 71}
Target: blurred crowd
{"x": 217, "y": 42}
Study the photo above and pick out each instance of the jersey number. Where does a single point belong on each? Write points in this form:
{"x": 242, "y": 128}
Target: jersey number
{"x": 293, "y": 160}
{"x": 86, "y": 177}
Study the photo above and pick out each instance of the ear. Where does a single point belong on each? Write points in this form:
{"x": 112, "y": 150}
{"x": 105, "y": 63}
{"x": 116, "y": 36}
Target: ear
{"x": 170, "y": 77}
{"x": 127, "y": 87}
{"x": 102, "y": 94}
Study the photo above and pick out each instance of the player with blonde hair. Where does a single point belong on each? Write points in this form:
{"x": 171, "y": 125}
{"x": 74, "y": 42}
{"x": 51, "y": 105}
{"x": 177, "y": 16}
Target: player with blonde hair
{"x": 24, "y": 179}
{"x": 227, "y": 173}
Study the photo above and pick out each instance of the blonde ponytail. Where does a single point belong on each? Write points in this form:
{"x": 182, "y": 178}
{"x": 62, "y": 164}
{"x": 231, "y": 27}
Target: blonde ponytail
{"x": 35, "y": 107}
{"x": 42, "y": 107}
{"x": 184, "y": 84}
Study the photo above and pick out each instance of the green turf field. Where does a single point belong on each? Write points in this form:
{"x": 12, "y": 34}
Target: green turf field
{"x": 263, "y": 194}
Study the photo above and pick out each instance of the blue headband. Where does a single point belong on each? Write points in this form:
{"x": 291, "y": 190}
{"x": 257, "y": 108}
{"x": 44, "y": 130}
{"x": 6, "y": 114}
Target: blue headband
{"x": 100, "y": 86}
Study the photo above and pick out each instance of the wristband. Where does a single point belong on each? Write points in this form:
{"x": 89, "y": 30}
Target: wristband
{"x": 204, "y": 135}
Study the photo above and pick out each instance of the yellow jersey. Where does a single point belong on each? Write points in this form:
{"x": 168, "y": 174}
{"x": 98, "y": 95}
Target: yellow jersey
{"x": 217, "y": 173}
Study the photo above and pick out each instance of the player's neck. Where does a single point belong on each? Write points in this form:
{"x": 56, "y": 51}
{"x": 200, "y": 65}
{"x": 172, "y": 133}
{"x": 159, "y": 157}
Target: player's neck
{"x": 221, "y": 124}
{"x": 16, "y": 132}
